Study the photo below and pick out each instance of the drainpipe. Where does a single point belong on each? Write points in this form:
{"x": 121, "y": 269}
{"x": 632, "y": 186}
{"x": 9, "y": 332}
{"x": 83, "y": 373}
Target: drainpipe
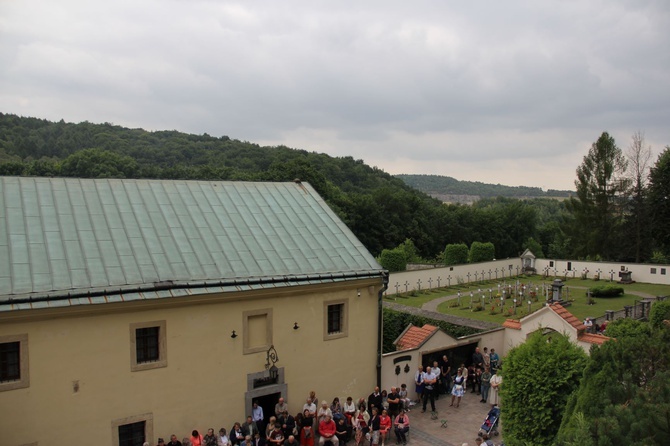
{"x": 380, "y": 332}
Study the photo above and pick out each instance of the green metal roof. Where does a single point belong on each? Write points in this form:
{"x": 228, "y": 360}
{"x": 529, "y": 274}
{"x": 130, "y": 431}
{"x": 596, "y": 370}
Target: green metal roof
{"x": 71, "y": 236}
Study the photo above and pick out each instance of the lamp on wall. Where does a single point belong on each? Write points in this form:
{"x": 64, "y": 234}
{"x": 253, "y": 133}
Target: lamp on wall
{"x": 233, "y": 335}
{"x": 358, "y": 292}
{"x": 295, "y": 326}
{"x": 271, "y": 360}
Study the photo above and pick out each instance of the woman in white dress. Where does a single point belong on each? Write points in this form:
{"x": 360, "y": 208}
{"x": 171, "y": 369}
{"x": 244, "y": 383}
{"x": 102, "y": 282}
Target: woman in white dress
{"x": 496, "y": 381}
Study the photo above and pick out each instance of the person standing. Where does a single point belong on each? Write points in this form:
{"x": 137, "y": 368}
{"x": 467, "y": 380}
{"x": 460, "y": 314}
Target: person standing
{"x": 429, "y": 383}
{"x": 250, "y": 427}
{"x": 494, "y": 397}
{"x": 393, "y": 400}
{"x": 478, "y": 359}
{"x": 375, "y": 401}
{"x": 486, "y": 384}
{"x": 445, "y": 369}
{"x": 418, "y": 381}
{"x": 258, "y": 416}
{"x": 495, "y": 361}
{"x": 459, "y": 388}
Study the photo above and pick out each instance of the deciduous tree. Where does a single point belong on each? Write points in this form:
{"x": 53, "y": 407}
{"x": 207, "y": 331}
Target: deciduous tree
{"x": 538, "y": 378}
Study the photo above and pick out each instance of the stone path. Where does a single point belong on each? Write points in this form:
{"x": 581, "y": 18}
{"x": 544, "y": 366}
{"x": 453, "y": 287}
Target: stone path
{"x": 463, "y": 423}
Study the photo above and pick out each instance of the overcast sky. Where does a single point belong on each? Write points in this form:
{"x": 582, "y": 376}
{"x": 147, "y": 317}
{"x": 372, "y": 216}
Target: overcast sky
{"x": 511, "y": 92}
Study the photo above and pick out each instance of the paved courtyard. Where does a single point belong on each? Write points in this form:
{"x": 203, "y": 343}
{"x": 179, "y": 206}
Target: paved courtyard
{"x": 463, "y": 423}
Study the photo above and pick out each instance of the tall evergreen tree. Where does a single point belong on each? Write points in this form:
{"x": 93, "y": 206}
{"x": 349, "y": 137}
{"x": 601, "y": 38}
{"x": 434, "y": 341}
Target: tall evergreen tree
{"x": 659, "y": 201}
{"x": 597, "y": 211}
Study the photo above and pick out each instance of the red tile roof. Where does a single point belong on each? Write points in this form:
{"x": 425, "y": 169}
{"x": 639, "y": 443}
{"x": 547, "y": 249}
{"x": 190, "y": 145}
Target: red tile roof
{"x": 512, "y": 323}
{"x": 569, "y": 318}
{"x": 415, "y": 336}
{"x": 593, "y": 338}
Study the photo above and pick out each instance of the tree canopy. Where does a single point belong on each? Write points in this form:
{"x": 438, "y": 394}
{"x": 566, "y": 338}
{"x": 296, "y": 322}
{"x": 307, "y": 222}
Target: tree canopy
{"x": 538, "y": 378}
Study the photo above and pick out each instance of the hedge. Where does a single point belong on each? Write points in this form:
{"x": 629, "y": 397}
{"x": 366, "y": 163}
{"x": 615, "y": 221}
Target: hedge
{"x": 606, "y": 291}
{"x": 396, "y": 321}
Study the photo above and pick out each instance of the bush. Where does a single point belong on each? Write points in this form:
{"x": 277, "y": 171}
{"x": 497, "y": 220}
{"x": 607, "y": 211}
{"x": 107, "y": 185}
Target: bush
{"x": 538, "y": 379}
{"x": 456, "y": 254}
{"x": 393, "y": 260}
{"x": 396, "y": 321}
{"x": 660, "y": 311}
{"x": 453, "y": 304}
{"x": 606, "y": 291}
{"x": 481, "y": 252}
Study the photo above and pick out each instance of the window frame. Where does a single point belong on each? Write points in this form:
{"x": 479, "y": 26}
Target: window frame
{"x": 135, "y": 365}
{"x": 344, "y": 332}
{"x": 147, "y": 418}
{"x": 24, "y": 370}
{"x": 247, "y": 348}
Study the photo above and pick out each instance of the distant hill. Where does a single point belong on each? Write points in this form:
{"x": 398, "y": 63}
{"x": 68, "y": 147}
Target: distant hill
{"x": 451, "y": 190}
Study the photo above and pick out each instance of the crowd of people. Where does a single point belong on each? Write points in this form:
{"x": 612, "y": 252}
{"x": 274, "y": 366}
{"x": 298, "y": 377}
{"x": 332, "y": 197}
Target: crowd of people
{"x": 381, "y": 417}
{"x": 481, "y": 377}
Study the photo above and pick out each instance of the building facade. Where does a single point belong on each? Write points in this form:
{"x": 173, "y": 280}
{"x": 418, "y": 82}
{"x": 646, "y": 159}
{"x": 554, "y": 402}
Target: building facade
{"x": 135, "y": 309}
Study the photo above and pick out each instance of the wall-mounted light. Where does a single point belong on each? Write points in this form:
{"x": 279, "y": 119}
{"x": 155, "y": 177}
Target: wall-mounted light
{"x": 295, "y": 326}
{"x": 233, "y": 335}
{"x": 358, "y": 292}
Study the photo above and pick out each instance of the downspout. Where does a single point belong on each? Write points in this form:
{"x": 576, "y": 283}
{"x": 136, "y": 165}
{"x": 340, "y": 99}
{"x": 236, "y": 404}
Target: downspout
{"x": 380, "y": 332}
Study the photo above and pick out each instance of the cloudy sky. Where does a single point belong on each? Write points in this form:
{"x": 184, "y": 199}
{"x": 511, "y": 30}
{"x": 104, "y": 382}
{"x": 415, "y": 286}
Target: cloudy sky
{"x": 511, "y": 92}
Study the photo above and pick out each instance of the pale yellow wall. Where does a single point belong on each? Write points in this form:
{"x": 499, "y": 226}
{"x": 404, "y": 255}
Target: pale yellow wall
{"x": 389, "y": 378}
{"x": 439, "y": 341}
{"x": 543, "y": 318}
{"x": 206, "y": 378}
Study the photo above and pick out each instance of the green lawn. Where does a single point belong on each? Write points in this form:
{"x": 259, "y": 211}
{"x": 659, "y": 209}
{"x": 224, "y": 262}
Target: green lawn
{"x": 575, "y": 288}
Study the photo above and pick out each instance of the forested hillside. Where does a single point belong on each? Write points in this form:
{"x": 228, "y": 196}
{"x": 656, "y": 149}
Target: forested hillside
{"x": 443, "y": 186}
{"x": 380, "y": 209}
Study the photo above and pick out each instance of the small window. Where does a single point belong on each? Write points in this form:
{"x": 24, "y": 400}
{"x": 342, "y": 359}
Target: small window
{"x": 132, "y": 434}
{"x": 148, "y": 345}
{"x": 14, "y": 362}
{"x": 653, "y": 270}
{"x": 10, "y": 361}
{"x": 336, "y": 319}
{"x": 663, "y": 271}
{"x": 569, "y": 266}
{"x": 551, "y": 263}
{"x": 133, "y": 431}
